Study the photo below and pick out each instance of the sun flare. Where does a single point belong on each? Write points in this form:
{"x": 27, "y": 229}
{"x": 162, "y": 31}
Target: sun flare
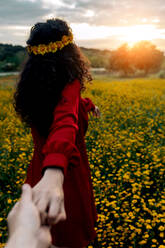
{"x": 134, "y": 34}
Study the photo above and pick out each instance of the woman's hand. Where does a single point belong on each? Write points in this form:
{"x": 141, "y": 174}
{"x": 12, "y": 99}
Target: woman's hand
{"x": 96, "y": 112}
{"x": 48, "y": 196}
{"x": 24, "y": 224}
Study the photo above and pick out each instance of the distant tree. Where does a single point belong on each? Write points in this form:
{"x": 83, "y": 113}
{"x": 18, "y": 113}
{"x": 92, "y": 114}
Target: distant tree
{"x": 11, "y": 57}
{"x": 120, "y": 60}
{"x": 8, "y": 67}
{"x": 142, "y": 56}
{"x": 145, "y": 56}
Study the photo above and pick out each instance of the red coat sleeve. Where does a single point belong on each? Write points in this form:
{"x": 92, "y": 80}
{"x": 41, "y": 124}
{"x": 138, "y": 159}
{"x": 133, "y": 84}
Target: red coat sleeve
{"x": 60, "y": 148}
{"x": 88, "y": 104}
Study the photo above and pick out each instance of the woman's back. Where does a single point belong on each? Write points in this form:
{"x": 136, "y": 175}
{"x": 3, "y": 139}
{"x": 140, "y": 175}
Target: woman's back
{"x": 78, "y": 228}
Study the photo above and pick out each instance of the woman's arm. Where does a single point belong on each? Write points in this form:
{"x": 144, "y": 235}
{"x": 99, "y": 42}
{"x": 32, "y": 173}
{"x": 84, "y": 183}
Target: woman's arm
{"x": 91, "y": 107}
{"x": 59, "y": 151}
{"x": 60, "y": 145}
{"x": 88, "y": 104}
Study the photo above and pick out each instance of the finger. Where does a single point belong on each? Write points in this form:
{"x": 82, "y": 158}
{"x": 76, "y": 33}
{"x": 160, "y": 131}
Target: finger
{"x": 54, "y": 210}
{"x": 35, "y": 197}
{"x": 98, "y": 114}
{"x": 43, "y": 218}
{"x": 63, "y": 212}
{"x": 61, "y": 215}
{"x": 36, "y": 200}
{"x": 42, "y": 206}
{"x": 26, "y": 195}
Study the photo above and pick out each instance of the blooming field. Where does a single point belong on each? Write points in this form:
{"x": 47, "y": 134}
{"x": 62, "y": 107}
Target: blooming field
{"x": 126, "y": 151}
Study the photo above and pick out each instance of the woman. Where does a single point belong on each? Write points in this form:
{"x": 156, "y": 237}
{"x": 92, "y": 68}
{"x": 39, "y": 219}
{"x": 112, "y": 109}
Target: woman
{"x": 48, "y": 100}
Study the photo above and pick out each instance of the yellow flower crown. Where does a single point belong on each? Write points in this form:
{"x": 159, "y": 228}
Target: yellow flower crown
{"x": 51, "y": 47}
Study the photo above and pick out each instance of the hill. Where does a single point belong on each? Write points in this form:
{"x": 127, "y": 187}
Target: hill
{"x": 98, "y": 58}
{"x": 12, "y": 57}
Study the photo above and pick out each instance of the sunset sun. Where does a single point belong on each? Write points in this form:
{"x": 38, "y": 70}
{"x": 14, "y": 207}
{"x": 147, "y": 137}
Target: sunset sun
{"x": 137, "y": 33}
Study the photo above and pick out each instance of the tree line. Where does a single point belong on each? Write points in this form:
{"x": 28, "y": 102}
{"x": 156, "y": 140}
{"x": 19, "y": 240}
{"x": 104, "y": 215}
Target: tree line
{"x": 143, "y": 56}
{"x": 11, "y": 57}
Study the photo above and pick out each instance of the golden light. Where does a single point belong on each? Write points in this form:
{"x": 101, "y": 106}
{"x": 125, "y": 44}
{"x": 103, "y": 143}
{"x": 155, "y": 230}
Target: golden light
{"x": 134, "y": 34}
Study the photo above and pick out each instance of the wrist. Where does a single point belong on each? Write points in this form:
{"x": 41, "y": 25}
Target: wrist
{"x": 55, "y": 173}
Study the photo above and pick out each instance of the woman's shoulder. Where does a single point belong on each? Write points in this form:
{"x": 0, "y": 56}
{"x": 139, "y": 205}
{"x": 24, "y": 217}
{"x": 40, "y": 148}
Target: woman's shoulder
{"x": 75, "y": 82}
{"x": 72, "y": 88}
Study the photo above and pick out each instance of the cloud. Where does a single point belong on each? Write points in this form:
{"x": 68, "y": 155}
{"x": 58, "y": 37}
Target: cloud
{"x": 114, "y": 12}
{"x": 15, "y": 12}
{"x": 105, "y": 12}
{"x": 109, "y": 43}
{"x": 94, "y": 13}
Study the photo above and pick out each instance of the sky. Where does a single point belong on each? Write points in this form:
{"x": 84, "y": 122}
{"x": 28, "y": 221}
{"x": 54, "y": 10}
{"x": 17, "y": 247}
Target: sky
{"x": 103, "y": 24}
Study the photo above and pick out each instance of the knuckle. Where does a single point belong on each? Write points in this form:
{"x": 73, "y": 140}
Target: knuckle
{"x": 59, "y": 197}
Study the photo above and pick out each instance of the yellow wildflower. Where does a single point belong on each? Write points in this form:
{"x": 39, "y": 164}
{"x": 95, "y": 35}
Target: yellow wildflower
{"x": 9, "y": 201}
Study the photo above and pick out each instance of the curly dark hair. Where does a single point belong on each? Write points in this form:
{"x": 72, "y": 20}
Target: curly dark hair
{"x": 43, "y": 77}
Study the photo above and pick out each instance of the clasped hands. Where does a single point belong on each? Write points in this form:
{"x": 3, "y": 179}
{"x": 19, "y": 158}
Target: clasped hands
{"x": 30, "y": 219}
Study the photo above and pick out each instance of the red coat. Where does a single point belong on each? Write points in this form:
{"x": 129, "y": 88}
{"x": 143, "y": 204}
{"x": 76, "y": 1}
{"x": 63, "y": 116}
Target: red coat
{"x": 65, "y": 148}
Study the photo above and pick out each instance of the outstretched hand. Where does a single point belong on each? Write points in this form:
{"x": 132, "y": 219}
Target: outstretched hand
{"x": 96, "y": 112}
{"x": 24, "y": 223}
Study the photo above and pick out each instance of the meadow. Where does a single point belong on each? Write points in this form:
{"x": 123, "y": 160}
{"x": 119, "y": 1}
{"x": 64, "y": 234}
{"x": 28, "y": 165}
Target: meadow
{"x": 126, "y": 151}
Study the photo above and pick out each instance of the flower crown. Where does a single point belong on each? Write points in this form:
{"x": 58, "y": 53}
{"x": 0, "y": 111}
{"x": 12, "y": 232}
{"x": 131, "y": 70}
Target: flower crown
{"x": 51, "y": 47}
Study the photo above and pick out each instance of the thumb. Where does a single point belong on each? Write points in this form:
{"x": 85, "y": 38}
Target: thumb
{"x": 44, "y": 237}
{"x": 26, "y": 195}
